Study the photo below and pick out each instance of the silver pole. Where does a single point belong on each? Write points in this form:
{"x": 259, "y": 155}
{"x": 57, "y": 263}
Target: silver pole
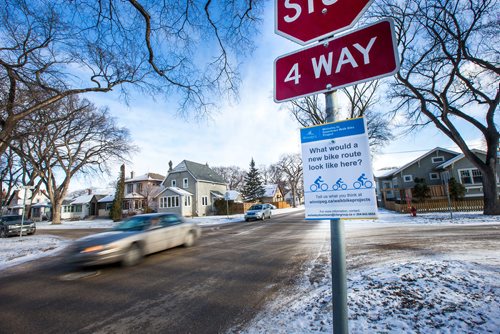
{"x": 24, "y": 210}
{"x": 337, "y": 239}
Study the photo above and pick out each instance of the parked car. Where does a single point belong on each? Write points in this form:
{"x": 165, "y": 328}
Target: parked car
{"x": 11, "y": 225}
{"x": 258, "y": 211}
{"x": 271, "y": 206}
{"x": 133, "y": 239}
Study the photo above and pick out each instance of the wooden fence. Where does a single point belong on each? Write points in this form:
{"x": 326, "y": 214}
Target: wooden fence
{"x": 438, "y": 206}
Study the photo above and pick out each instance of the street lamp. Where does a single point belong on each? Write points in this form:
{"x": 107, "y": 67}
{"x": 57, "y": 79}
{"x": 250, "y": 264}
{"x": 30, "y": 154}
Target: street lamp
{"x": 26, "y": 188}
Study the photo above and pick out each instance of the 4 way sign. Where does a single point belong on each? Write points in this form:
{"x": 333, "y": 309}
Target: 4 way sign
{"x": 362, "y": 55}
{"x": 305, "y": 21}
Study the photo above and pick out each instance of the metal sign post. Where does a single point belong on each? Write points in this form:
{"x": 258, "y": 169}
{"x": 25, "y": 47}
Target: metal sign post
{"x": 26, "y": 188}
{"x": 337, "y": 240}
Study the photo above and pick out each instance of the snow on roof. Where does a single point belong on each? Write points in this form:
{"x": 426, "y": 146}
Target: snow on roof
{"x": 146, "y": 177}
{"x": 384, "y": 171}
{"x": 270, "y": 190}
{"x": 133, "y": 195}
{"x": 108, "y": 198}
{"x": 176, "y": 190}
{"x": 82, "y": 199}
{"x": 232, "y": 195}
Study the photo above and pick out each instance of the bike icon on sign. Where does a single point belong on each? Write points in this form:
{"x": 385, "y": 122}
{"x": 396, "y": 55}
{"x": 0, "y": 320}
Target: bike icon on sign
{"x": 362, "y": 182}
{"x": 319, "y": 184}
{"x": 339, "y": 185}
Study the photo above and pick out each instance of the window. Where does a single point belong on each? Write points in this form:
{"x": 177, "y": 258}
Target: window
{"x": 204, "y": 200}
{"x": 408, "y": 178}
{"x": 470, "y": 176}
{"x": 169, "y": 202}
{"x": 139, "y": 187}
{"x": 109, "y": 206}
{"x": 130, "y": 188}
{"x": 187, "y": 200}
{"x": 436, "y": 160}
{"x": 185, "y": 183}
{"x": 434, "y": 176}
{"x": 173, "y": 183}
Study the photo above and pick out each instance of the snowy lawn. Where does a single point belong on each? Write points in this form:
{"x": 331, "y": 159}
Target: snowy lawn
{"x": 432, "y": 295}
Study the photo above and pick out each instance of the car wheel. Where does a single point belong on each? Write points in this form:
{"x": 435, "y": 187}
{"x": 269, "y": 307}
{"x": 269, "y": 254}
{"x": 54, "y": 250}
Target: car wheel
{"x": 132, "y": 256}
{"x": 33, "y": 232}
{"x": 3, "y": 233}
{"x": 247, "y": 220}
{"x": 189, "y": 240}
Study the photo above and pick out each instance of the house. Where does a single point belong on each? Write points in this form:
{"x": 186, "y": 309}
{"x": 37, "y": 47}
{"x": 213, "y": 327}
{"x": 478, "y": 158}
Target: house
{"x": 14, "y": 203}
{"x": 466, "y": 173}
{"x": 81, "y": 206}
{"x": 104, "y": 205}
{"x": 140, "y": 192}
{"x": 299, "y": 199}
{"x": 435, "y": 167}
{"x": 272, "y": 193}
{"x": 190, "y": 189}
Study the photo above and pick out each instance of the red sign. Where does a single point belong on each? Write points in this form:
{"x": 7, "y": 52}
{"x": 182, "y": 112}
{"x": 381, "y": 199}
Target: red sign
{"x": 304, "y": 21}
{"x": 365, "y": 54}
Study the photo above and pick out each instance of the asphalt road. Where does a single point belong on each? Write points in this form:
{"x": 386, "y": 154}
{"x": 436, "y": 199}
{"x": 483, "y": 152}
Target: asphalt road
{"x": 221, "y": 282}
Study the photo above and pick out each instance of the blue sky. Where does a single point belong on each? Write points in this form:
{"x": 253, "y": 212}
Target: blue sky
{"x": 253, "y": 127}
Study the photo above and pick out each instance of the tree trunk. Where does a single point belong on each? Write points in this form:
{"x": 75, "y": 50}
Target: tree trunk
{"x": 490, "y": 191}
{"x": 56, "y": 213}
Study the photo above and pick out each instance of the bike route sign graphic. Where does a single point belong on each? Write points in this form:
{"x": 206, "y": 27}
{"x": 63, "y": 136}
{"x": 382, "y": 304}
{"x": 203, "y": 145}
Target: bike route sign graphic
{"x": 338, "y": 176}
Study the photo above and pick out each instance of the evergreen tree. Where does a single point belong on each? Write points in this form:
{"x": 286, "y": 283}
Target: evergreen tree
{"x": 116, "y": 209}
{"x": 457, "y": 190}
{"x": 421, "y": 190}
{"x": 253, "y": 189}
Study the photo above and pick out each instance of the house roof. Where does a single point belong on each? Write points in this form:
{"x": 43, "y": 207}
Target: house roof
{"x": 108, "y": 198}
{"x": 82, "y": 199}
{"x": 133, "y": 195}
{"x": 146, "y": 177}
{"x": 457, "y": 158}
{"x": 400, "y": 169}
{"x": 232, "y": 195}
{"x": 176, "y": 190}
{"x": 217, "y": 194}
{"x": 270, "y": 190}
{"x": 200, "y": 172}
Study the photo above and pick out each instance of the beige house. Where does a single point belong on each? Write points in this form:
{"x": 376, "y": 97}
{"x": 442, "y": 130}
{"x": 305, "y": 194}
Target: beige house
{"x": 190, "y": 189}
{"x": 140, "y": 192}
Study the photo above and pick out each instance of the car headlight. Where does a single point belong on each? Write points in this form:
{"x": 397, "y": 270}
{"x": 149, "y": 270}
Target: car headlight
{"x": 11, "y": 227}
{"x": 93, "y": 249}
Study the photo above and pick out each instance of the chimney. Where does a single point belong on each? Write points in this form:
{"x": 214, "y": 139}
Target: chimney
{"x": 132, "y": 175}
{"x": 89, "y": 191}
{"x": 170, "y": 166}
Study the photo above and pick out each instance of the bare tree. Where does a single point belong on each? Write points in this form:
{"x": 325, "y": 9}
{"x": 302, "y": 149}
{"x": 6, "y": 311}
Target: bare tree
{"x": 449, "y": 74}
{"x": 81, "y": 140}
{"x": 53, "y": 49}
{"x": 233, "y": 175}
{"x": 362, "y": 99}
{"x": 291, "y": 166}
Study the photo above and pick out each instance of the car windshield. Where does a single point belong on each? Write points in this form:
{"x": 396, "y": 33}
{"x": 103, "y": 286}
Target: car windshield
{"x": 11, "y": 218}
{"x": 256, "y": 207}
{"x": 133, "y": 224}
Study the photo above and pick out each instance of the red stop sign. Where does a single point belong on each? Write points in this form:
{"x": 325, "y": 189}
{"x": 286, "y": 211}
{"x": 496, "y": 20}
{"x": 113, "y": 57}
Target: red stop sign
{"x": 304, "y": 21}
